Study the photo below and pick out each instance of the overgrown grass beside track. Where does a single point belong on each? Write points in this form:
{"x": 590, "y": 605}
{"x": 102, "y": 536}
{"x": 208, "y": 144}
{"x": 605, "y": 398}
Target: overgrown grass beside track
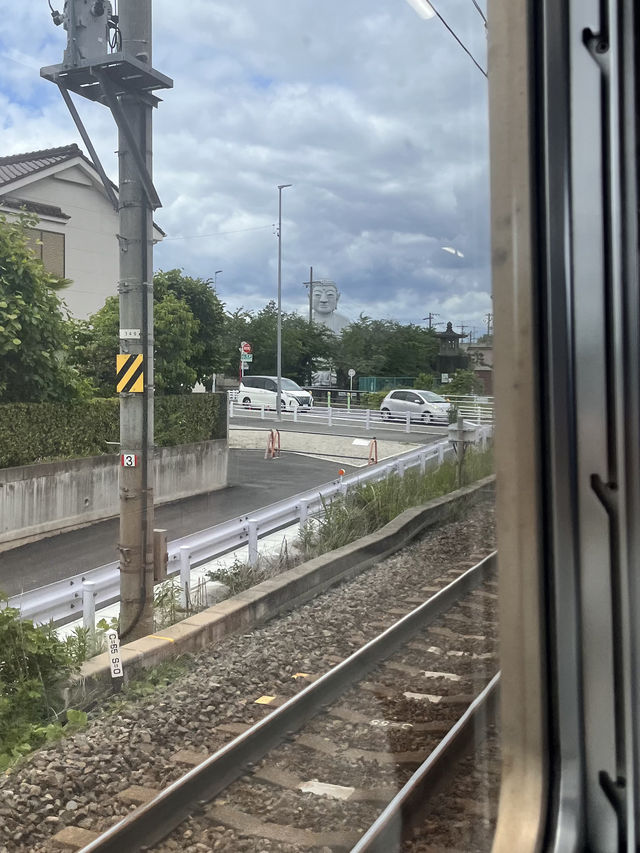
{"x": 369, "y": 507}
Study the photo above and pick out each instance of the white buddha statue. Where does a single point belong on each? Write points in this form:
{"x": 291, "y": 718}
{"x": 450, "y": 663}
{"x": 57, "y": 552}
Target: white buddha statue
{"x": 325, "y": 303}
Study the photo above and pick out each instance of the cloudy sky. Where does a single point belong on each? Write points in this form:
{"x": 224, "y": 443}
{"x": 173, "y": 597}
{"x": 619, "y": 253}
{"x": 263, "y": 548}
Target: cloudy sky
{"x": 377, "y": 117}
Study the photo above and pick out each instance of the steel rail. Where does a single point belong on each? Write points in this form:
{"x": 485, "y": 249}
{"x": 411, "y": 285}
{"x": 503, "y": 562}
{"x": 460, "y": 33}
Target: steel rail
{"x": 153, "y": 821}
{"x": 61, "y": 601}
{"x": 411, "y": 804}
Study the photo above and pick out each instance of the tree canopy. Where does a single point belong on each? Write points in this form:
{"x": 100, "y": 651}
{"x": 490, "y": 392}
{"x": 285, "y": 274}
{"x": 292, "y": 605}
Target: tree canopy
{"x": 188, "y": 336}
{"x": 34, "y": 333}
{"x": 386, "y": 348}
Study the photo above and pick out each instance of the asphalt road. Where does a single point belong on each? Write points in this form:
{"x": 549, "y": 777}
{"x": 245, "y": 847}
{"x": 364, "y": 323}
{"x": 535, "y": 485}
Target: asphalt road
{"x": 382, "y": 430}
{"x": 254, "y": 482}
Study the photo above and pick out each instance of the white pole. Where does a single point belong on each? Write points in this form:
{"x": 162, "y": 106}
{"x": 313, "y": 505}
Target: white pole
{"x": 185, "y": 576}
{"x": 304, "y": 513}
{"x": 89, "y": 605}
{"x": 253, "y": 541}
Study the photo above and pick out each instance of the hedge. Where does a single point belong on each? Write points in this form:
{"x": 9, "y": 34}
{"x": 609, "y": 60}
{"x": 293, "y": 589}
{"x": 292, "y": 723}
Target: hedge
{"x": 46, "y": 432}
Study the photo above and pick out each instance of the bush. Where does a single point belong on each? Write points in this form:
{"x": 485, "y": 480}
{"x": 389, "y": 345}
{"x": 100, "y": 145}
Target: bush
{"x": 33, "y": 665}
{"x": 44, "y": 432}
{"x": 372, "y": 399}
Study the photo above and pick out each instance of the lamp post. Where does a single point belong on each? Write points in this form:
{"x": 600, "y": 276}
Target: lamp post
{"x": 279, "y": 332}
{"x": 215, "y": 277}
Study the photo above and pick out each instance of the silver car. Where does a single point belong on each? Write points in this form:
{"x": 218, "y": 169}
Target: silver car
{"x": 424, "y": 406}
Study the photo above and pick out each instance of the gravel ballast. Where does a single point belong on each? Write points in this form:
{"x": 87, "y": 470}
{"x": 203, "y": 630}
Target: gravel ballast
{"x": 76, "y": 782}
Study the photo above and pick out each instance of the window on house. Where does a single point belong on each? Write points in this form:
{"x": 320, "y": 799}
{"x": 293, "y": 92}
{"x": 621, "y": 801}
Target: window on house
{"x": 48, "y": 246}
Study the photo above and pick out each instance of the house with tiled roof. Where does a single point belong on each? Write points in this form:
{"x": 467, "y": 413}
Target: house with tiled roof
{"x": 76, "y": 237}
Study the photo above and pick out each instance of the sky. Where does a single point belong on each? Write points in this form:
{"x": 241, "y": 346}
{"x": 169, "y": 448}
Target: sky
{"x": 377, "y": 118}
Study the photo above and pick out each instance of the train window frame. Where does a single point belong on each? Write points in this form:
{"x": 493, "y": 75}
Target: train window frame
{"x": 563, "y": 126}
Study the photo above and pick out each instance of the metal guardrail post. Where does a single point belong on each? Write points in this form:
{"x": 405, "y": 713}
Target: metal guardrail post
{"x": 304, "y": 513}
{"x": 440, "y": 453}
{"x": 329, "y": 419}
{"x": 230, "y": 408}
{"x": 295, "y": 415}
{"x": 423, "y": 462}
{"x": 253, "y": 541}
{"x": 262, "y": 412}
{"x": 185, "y": 576}
{"x": 89, "y": 606}
{"x": 407, "y": 425}
{"x": 367, "y": 419}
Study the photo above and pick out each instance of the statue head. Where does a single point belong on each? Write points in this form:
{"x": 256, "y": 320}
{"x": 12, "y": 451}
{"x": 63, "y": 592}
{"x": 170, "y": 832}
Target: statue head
{"x": 325, "y": 297}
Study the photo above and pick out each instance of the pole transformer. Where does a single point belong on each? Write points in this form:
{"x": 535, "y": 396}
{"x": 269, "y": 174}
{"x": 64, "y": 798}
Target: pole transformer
{"x": 108, "y": 60}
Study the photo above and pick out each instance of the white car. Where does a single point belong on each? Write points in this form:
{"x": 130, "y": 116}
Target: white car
{"x": 263, "y": 391}
{"x": 424, "y": 406}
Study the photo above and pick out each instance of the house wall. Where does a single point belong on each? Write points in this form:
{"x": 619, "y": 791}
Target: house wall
{"x": 91, "y": 245}
{"x": 40, "y": 500}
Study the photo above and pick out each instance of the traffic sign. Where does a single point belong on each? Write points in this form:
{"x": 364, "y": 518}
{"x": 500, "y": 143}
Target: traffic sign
{"x": 246, "y": 347}
{"x": 246, "y": 356}
{"x": 129, "y": 460}
{"x": 351, "y": 372}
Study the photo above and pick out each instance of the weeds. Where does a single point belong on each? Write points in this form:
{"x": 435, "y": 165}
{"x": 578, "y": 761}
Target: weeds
{"x": 371, "y": 506}
{"x": 33, "y": 666}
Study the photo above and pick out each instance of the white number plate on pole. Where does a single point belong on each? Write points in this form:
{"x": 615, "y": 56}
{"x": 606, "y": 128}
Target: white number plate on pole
{"x": 113, "y": 650}
{"x": 129, "y": 460}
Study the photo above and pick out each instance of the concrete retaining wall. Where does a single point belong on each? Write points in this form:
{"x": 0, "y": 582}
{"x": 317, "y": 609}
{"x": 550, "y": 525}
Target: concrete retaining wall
{"x": 39, "y": 500}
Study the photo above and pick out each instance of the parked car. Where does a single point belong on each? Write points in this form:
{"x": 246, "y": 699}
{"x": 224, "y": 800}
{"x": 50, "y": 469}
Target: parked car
{"x": 262, "y": 391}
{"x": 422, "y": 406}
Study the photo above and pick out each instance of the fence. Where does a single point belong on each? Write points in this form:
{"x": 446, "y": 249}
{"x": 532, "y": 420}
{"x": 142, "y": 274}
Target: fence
{"x": 368, "y": 419}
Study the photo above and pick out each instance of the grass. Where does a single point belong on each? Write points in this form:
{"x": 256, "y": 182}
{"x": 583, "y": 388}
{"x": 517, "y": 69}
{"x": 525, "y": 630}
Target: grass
{"x": 371, "y": 506}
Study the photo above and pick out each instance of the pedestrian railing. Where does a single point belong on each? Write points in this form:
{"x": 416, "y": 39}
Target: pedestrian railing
{"x": 67, "y": 600}
{"x": 366, "y": 419}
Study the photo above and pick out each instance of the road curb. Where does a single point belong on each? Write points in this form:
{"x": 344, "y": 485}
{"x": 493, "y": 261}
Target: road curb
{"x": 271, "y": 597}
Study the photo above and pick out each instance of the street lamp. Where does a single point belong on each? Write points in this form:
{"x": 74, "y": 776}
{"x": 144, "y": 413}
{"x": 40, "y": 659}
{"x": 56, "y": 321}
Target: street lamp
{"x": 279, "y": 333}
{"x": 215, "y": 277}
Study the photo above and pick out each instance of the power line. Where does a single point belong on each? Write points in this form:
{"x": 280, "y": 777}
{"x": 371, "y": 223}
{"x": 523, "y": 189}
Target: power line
{"x": 217, "y": 233}
{"x": 462, "y": 45}
{"x": 480, "y": 12}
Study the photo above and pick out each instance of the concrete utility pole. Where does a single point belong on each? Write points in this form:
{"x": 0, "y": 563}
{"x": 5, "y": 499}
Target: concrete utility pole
{"x": 430, "y": 318}
{"x": 136, "y": 312}
{"x": 108, "y": 60}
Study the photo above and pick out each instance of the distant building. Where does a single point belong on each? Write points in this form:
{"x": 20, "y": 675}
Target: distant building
{"x": 450, "y": 357}
{"x": 481, "y": 362}
{"x": 77, "y": 233}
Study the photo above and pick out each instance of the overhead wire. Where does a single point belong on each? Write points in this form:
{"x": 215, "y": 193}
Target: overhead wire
{"x": 217, "y": 233}
{"x": 460, "y": 42}
{"x": 480, "y": 12}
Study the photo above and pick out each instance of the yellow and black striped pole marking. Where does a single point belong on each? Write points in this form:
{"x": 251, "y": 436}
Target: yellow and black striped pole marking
{"x": 130, "y": 373}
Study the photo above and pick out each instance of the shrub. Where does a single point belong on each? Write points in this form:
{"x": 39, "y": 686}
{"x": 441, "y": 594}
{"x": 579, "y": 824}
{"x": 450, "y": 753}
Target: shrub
{"x": 44, "y": 432}
{"x": 33, "y": 665}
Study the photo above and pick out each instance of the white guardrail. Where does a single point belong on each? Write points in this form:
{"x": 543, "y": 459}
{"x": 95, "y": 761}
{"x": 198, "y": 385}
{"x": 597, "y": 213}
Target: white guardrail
{"x": 479, "y": 413}
{"x": 66, "y": 600}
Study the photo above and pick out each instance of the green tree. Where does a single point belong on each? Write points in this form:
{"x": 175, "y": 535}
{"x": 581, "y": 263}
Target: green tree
{"x": 207, "y": 344}
{"x": 464, "y": 382}
{"x": 34, "y": 333}
{"x": 304, "y": 345}
{"x": 386, "y": 348}
{"x": 188, "y": 336}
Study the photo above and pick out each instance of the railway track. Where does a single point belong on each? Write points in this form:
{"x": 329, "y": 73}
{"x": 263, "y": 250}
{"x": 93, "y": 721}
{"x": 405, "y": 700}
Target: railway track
{"x": 139, "y": 742}
{"x": 316, "y": 772}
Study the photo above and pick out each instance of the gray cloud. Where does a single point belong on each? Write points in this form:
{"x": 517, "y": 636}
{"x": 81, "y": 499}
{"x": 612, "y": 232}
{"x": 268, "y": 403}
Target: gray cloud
{"x": 377, "y": 117}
